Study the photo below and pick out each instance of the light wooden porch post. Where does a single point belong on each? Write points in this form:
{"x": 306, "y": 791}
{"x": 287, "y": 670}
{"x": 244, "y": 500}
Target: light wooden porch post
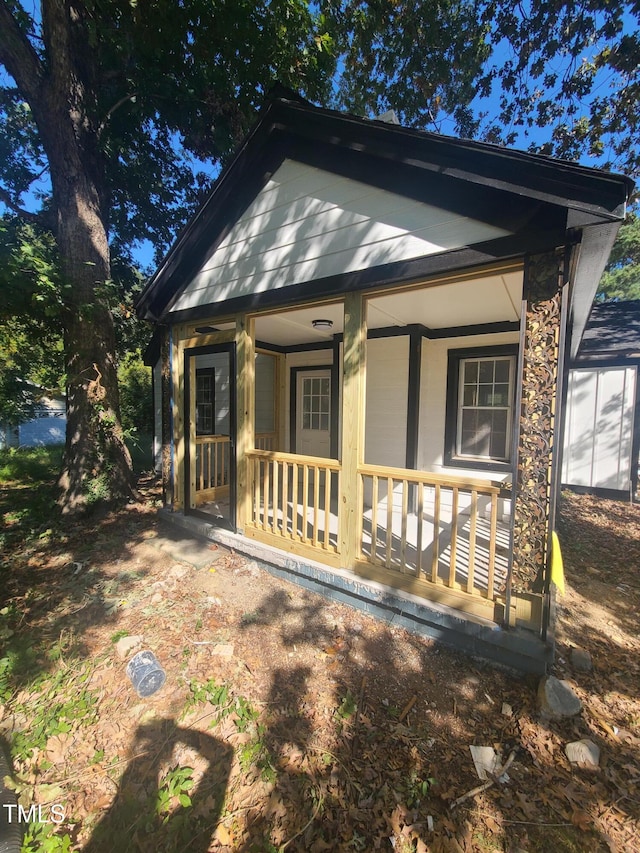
{"x": 177, "y": 373}
{"x": 539, "y": 381}
{"x": 245, "y": 419}
{"x": 353, "y": 419}
{"x": 167, "y": 418}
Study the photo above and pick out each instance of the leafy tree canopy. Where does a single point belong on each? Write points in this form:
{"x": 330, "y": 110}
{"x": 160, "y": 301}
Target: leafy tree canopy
{"x": 566, "y": 74}
{"x": 621, "y": 279}
{"x": 114, "y": 114}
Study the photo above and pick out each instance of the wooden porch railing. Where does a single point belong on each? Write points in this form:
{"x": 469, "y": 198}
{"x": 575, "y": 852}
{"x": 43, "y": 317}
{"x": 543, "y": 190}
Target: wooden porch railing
{"x": 295, "y": 498}
{"x": 440, "y": 529}
{"x": 266, "y": 440}
{"x": 212, "y": 465}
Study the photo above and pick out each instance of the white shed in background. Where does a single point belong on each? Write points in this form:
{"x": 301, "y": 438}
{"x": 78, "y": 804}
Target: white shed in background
{"x": 602, "y": 415}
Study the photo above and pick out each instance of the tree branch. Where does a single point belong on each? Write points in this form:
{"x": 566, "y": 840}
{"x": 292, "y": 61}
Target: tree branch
{"x": 19, "y": 57}
{"x": 6, "y": 199}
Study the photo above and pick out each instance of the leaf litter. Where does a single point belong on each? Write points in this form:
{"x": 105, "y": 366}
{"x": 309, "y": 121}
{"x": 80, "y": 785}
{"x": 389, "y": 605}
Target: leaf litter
{"x": 318, "y": 728}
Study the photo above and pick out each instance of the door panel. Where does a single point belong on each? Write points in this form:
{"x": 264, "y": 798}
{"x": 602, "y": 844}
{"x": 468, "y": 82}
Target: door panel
{"x": 313, "y": 416}
{"x": 210, "y": 431}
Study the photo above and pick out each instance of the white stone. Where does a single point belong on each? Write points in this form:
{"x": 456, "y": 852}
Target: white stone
{"x": 126, "y": 645}
{"x": 584, "y": 752}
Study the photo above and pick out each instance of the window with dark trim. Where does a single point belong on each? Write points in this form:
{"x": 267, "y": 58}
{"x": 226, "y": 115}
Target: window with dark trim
{"x": 480, "y": 400}
{"x": 205, "y": 401}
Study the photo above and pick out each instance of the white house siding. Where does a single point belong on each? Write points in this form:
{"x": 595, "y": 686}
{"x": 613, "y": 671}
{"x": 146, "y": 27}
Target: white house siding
{"x": 599, "y": 428}
{"x": 265, "y": 393}
{"x": 41, "y": 431}
{"x": 386, "y": 401}
{"x": 307, "y": 224}
{"x": 156, "y": 376}
{"x": 433, "y": 400}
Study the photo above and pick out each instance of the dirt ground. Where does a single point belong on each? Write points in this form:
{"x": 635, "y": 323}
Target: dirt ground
{"x": 289, "y": 722}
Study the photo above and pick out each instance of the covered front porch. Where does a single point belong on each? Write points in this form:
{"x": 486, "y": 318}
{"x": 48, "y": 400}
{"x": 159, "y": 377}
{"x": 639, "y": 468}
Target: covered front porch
{"x": 337, "y": 442}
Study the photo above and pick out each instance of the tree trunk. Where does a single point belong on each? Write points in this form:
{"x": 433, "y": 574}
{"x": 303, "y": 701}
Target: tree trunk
{"x": 62, "y": 95}
{"x": 97, "y": 465}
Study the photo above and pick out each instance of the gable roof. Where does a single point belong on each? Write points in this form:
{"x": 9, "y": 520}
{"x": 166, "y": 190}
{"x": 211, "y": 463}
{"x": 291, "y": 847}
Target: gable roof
{"x": 612, "y": 333}
{"x": 536, "y": 197}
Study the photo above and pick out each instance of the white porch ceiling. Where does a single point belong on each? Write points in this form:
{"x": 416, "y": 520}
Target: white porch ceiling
{"x": 491, "y": 299}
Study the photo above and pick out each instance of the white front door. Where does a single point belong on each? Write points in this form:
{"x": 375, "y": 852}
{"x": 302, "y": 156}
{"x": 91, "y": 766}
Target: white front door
{"x": 313, "y": 416}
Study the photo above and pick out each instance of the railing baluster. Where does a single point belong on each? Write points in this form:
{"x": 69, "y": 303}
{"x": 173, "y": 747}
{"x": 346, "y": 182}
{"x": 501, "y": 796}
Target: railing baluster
{"x": 266, "y": 485}
{"x": 275, "y": 487}
{"x": 374, "y": 518}
{"x": 473, "y": 521}
{"x": 403, "y": 534}
{"x": 389, "y": 521}
{"x": 285, "y": 498}
{"x": 327, "y": 508}
{"x": 294, "y": 501}
{"x": 316, "y": 503}
{"x": 493, "y": 534}
{"x": 305, "y": 501}
{"x": 454, "y": 537}
{"x": 419, "y": 521}
{"x": 436, "y": 534}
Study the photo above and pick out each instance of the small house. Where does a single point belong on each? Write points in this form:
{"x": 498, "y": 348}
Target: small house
{"x": 363, "y": 335}
{"x": 45, "y": 426}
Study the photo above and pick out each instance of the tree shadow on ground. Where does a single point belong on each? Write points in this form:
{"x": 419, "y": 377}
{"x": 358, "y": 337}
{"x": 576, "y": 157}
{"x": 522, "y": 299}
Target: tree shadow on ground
{"x": 371, "y": 764}
{"x": 61, "y": 579}
{"x": 148, "y": 813}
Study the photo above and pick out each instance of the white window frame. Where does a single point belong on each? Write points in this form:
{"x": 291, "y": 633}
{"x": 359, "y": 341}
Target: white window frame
{"x": 462, "y": 407}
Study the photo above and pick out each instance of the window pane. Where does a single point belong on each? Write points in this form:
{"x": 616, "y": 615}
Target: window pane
{"x": 306, "y": 420}
{"x": 485, "y": 395}
{"x": 324, "y": 386}
{"x": 324, "y": 422}
{"x": 501, "y": 395}
{"x": 476, "y": 433}
{"x": 502, "y": 370}
{"x": 486, "y": 371}
{"x": 470, "y": 395}
{"x": 471, "y": 371}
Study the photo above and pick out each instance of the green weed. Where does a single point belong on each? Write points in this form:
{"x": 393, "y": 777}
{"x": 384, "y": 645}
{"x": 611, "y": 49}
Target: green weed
{"x": 174, "y": 789}
{"x": 42, "y": 838}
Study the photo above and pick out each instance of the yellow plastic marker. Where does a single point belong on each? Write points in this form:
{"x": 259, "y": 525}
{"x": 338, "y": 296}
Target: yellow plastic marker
{"x": 557, "y": 566}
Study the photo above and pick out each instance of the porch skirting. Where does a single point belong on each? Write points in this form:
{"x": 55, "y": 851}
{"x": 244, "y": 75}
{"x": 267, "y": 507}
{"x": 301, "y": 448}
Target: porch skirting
{"x": 515, "y": 648}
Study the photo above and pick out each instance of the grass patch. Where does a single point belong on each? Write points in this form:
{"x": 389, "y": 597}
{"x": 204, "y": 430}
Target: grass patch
{"x": 29, "y": 465}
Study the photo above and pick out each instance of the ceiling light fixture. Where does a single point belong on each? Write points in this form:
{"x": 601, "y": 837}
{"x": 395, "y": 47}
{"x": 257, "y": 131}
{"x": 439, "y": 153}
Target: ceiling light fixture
{"x": 322, "y": 324}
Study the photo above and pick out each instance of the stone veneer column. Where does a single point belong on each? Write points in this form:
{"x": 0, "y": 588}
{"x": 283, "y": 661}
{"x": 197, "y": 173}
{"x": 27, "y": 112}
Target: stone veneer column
{"x": 539, "y": 384}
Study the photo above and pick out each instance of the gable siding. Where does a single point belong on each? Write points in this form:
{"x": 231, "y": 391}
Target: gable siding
{"x": 308, "y": 224}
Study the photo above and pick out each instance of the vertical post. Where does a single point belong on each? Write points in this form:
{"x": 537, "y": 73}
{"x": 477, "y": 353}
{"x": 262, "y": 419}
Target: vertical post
{"x": 536, "y": 423}
{"x": 353, "y": 418}
{"x": 167, "y": 418}
{"x": 190, "y": 457}
{"x": 280, "y": 401}
{"x": 246, "y": 394}
{"x": 177, "y": 373}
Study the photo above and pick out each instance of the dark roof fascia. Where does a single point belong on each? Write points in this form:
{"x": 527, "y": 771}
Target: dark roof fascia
{"x": 333, "y": 138}
{"x": 553, "y": 180}
{"x": 399, "y": 272}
